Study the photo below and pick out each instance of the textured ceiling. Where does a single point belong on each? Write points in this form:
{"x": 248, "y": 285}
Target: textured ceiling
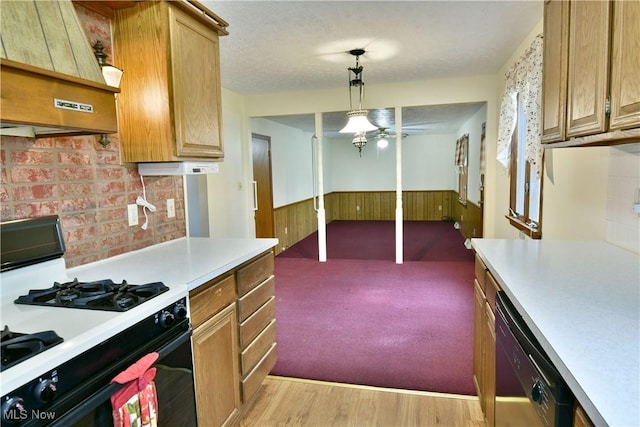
{"x": 278, "y": 46}
{"x": 432, "y": 119}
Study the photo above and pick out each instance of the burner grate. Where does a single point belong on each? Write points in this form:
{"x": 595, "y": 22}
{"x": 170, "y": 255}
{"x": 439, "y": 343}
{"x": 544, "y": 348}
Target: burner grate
{"x": 16, "y": 347}
{"x": 97, "y": 295}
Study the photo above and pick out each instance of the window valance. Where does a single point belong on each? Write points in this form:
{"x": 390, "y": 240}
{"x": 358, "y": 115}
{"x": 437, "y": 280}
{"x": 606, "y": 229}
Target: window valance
{"x": 523, "y": 81}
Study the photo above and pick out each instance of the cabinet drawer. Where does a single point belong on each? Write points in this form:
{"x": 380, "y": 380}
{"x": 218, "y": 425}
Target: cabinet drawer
{"x": 251, "y": 384}
{"x": 251, "y": 327}
{"x": 491, "y": 288}
{"x": 480, "y": 272}
{"x": 254, "y": 273}
{"x": 257, "y": 349}
{"x": 210, "y": 298}
{"x": 255, "y": 298}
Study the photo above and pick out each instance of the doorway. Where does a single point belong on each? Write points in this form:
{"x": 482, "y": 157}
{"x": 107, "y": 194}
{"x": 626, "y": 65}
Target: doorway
{"x": 263, "y": 195}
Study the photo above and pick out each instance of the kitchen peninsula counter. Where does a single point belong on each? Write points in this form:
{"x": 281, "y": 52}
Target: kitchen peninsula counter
{"x": 581, "y": 300}
{"x": 188, "y": 261}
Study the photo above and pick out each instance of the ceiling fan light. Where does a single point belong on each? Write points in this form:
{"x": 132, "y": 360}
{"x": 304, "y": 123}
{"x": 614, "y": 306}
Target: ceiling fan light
{"x": 383, "y": 143}
{"x": 358, "y": 122}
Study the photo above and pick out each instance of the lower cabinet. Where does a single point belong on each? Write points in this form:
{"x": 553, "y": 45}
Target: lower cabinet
{"x": 484, "y": 340}
{"x": 478, "y": 343}
{"x": 489, "y": 365}
{"x": 215, "y": 354}
{"x": 234, "y": 339}
{"x": 256, "y": 316}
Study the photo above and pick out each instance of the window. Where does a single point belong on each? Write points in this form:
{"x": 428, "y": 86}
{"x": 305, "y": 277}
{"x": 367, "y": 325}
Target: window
{"x": 462, "y": 150}
{"x": 519, "y": 134}
{"x": 525, "y": 184}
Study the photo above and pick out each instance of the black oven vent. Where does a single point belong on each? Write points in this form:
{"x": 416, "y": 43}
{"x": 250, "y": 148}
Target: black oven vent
{"x": 30, "y": 241}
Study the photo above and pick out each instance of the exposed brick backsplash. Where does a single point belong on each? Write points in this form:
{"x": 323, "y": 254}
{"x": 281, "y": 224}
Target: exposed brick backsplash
{"x": 82, "y": 182}
{"x": 86, "y": 186}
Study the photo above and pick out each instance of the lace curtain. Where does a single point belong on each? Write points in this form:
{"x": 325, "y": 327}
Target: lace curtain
{"x": 524, "y": 79}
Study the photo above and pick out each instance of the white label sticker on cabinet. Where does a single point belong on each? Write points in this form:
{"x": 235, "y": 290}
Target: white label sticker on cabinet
{"x": 72, "y": 105}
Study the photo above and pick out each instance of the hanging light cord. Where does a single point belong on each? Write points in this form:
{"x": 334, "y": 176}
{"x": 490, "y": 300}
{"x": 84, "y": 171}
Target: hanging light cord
{"x": 356, "y": 81}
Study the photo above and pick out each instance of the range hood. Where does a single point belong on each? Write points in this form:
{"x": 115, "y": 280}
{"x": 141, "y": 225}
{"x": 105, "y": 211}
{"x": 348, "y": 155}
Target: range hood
{"x": 51, "y": 81}
{"x": 177, "y": 168}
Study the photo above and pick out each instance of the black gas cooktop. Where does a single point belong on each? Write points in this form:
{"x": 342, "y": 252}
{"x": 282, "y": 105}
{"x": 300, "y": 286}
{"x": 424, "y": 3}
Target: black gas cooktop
{"x": 97, "y": 295}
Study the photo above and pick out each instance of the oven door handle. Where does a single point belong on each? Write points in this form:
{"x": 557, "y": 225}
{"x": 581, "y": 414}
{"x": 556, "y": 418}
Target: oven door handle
{"x": 75, "y": 414}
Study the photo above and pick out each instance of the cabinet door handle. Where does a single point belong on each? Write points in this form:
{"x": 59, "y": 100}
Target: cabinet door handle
{"x": 255, "y": 195}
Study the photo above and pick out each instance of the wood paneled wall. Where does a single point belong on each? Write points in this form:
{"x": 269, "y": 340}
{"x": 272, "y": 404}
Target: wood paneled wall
{"x": 469, "y": 217}
{"x": 381, "y": 205}
{"x": 296, "y": 221}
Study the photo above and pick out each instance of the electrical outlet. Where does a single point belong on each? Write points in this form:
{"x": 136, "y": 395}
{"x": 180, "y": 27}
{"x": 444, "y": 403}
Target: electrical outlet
{"x": 358, "y": 207}
{"x": 286, "y": 230}
{"x": 439, "y": 207}
{"x": 171, "y": 208}
{"x": 461, "y": 217}
{"x": 132, "y": 214}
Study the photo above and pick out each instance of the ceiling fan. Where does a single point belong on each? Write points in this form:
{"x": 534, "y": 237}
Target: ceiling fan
{"x": 382, "y": 137}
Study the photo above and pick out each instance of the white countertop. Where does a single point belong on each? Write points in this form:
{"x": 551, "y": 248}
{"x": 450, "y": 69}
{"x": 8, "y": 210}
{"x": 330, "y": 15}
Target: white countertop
{"x": 189, "y": 261}
{"x": 181, "y": 264}
{"x": 581, "y": 300}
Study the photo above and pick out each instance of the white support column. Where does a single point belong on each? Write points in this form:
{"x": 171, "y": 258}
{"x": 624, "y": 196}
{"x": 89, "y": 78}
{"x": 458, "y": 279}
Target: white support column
{"x": 399, "y": 239}
{"x": 322, "y": 227}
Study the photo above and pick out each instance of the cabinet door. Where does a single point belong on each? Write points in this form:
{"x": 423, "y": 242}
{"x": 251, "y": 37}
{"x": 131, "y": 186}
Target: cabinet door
{"x": 478, "y": 342}
{"x": 215, "y": 354}
{"x": 196, "y": 87}
{"x": 588, "y": 81}
{"x": 625, "y": 66}
{"x": 554, "y": 74}
{"x": 490, "y": 366}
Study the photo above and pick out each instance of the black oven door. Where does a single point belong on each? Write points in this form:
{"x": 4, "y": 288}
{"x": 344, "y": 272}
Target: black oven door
{"x": 174, "y": 390}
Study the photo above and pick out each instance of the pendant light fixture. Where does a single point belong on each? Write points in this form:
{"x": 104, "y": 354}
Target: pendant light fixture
{"x": 358, "y": 123}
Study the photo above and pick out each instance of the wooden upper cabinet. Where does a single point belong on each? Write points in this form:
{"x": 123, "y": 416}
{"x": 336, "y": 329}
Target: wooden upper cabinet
{"x": 169, "y": 108}
{"x": 588, "y": 80}
{"x": 555, "y": 54}
{"x": 591, "y": 72}
{"x": 625, "y": 66}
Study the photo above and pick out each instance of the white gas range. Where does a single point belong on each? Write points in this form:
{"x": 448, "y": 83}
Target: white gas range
{"x": 43, "y": 381}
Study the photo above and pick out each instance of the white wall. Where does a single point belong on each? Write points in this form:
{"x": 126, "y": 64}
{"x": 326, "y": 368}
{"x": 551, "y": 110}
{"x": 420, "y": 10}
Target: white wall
{"x": 290, "y": 161}
{"x": 623, "y": 225}
{"x": 230, "y": 214}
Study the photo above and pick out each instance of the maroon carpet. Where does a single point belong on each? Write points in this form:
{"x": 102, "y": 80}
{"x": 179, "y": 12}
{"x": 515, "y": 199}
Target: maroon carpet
{"x": 375, "y": 322}
{"x": 423, "y": 241}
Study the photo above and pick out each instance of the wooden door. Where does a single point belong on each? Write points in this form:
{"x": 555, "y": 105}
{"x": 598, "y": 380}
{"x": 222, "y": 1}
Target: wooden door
{"x": 263, "y": 196}
{"x": 625, "y": 66}
{"x": 588, "y": 82}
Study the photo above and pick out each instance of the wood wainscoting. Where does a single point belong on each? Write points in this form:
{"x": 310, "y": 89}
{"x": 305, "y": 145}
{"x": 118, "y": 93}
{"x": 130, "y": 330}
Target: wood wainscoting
{"x": 296, "y": 221}
{"x": 381, "y": 205}
{"x": 469, "y": 216}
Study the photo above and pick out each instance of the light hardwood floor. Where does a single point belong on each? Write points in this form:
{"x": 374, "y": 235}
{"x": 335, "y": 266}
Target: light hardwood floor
{"x": 294, "y": 402}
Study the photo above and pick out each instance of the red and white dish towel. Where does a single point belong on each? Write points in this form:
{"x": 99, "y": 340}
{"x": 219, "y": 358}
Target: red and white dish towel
{"x": 136, "y": 405}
